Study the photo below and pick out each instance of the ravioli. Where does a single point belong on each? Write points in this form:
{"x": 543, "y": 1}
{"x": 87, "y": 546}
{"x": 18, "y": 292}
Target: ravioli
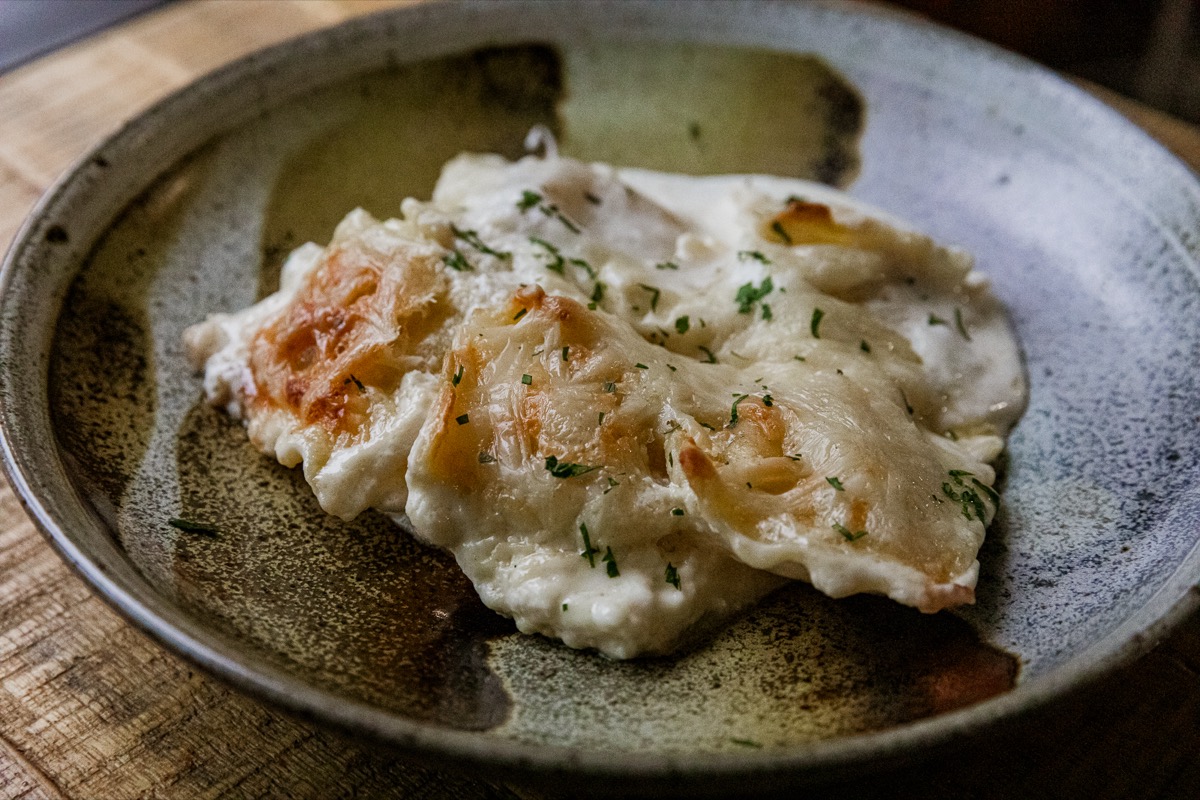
{"x": 631, "y": 403}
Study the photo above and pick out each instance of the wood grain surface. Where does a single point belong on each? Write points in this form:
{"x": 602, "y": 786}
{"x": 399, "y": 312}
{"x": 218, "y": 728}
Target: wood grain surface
{"x": 91, "y": 708}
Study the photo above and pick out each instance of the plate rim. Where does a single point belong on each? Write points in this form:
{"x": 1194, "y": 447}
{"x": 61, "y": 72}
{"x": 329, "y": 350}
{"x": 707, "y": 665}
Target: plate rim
{"x": 216, "y": 653}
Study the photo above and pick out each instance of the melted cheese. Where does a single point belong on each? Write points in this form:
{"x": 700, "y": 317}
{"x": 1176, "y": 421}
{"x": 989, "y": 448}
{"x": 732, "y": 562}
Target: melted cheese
{"x": 633, "y": 403}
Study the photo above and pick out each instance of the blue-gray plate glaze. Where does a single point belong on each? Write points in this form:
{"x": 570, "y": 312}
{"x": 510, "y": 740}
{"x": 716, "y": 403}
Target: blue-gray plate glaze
{"x": 1088, "y": 229}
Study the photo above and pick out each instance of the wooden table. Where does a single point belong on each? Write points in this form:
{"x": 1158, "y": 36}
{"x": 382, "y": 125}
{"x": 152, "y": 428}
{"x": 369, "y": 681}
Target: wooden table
{"x": 91, "y": 708}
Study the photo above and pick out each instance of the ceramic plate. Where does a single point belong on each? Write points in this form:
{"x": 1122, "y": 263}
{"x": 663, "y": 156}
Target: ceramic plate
{"x": 1087, "y": 227}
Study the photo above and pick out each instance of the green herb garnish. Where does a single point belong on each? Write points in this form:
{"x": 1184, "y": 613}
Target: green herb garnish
{"x": 191, "y": 526}
{"x": 611, "y": 485}
{"x": 847, "y": 534}
{"x": 566, "y": 469}
{"x": 640, "y": 365}
{"x": 357, "y": 383}
{"x": 520, "y": 314}
{"x": 611, "y": 560}
{"x": 527, "y": 379}
{"x": 862, "y": 345}
{"x": 556, "y": 260}
{"x": 958, "y": 323}
{"x": 682, "y": 324}
{"x": 528, "y": 200}
{"x": 733, "y": 412}
{"x": 712, "y": 359}
{"x": 673, "y": 576}
{"x": 666, "y": 265}
{"x": 747, "y": 295}
{"x": 654, "y": 295}
{"x": 836, "y": 483}
{"x": 746, "y": 255}
{"x": 462, "y": 419}
{"x": 472, "y": 238}
{"x": 936, "y": 320}
{"x": 457, "y": 262}
{"x": 610, "y": 387}
{"x": 677, "y": 512}
{"x": 457, "y": 376}
{"x": 589, "y": 552}
{"x": 815, "y": 324}
{"x": 777, "y": 227}
{"x": 486, "y": 458}
{"x": 747, "y": 743}
{"x": 766, "y": 312}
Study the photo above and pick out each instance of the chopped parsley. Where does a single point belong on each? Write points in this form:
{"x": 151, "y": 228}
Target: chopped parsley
{"x": 462, "y": 419}
{"x": 566, "y": 469}
{"x": 768, "y": 401}
{"x": 666, "y": 265}
{"x": 589, "y": 552}
{"x": 610, "y": 387}
{"x": 640, "y": 365}
{"x": 534, "y": 200}
{"x": 968, "y": 497}
{"x": 673, "y": 576}
{"x": 862, "y": 345}
{"x": 847, "y": 534}
{"x": 747, "y": 743}
{"x": 556, "y": 259}
{"x": 527, "y": 379}
{"x": 836, "y": 483}
{"x": 654, "y": 295}
{"x": 191, "y": 526}
{"x": 677, "y": 512}
{"x": 611, "y": 560}
{"x": 520, "y": 314}
{"x": 591, "y": 198}
{"x": 612, "y": 484}
{"x": 600, "y": 419}
{"x": 564, "y": 606}
{"x": 748, "y": 295}
{"x": 733, "y": 412}
{"x": 598, "y": 292}
{"x": 457, "y": 376}
{"x": 745, "y": 255}
{"x": 795, "y": 456}
{"x": 777, "y": 227}
{"x": 566, "y": 352}
{"x": 682, "y": 324}
{"x": 528, "y": 200}
{"x": 486, "y": 458}
{"x": 936, "y": 320}
{"x": 457, "y": 262}
{"x": 766, "y": 312}
{"x": 585, "y": 266}
{"x": 707, "y": 426}
{"x": 359, "y": 384}
{"x": 958, "y": 323}
{"x": 712, "y": 359}
{"x": 815, "y": 324}
{"x": 472, "y": 238}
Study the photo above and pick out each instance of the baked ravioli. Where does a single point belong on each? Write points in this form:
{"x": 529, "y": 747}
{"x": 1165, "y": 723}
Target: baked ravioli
{"x": 633, "y": 403}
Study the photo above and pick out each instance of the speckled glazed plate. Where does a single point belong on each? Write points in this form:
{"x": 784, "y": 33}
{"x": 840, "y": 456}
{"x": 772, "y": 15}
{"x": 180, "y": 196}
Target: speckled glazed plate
{"x": 1088, "y": 228}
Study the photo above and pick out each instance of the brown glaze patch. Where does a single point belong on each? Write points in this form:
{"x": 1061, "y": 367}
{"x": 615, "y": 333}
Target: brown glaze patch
{"x": 359, "y": 607}
{"x": 395, "y": 129}
{"x": 799, "y": 667}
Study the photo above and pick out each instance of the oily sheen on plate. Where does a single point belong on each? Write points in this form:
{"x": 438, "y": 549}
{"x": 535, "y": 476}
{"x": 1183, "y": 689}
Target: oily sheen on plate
{"x": 633, "y": 403}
